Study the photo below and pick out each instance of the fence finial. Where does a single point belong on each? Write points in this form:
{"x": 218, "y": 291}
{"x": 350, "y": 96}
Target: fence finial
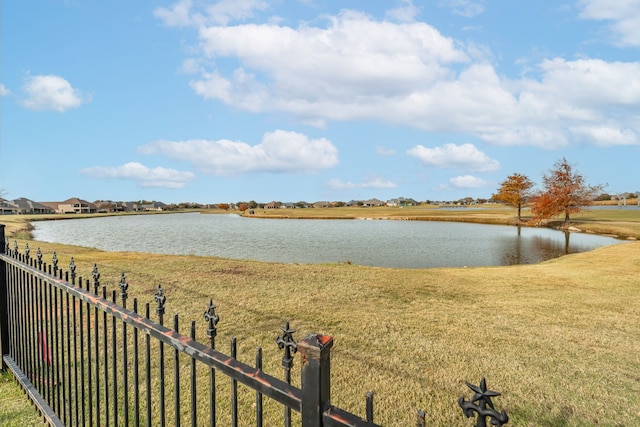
{"x": 123, "y": 289}
{"x": 26, "y": 252}
{"x": 289, "y": 345}
{"x": 72, "y": 269}
{"x": 484, "y": 408}
{"x": 15, "y": 248}
{"x": 160, "y": 299}
{"x": 39, "y": 258}
{"x": 54, "y": 261}
{"x": 96, "y": 278}
{"x": 213, "y": 319}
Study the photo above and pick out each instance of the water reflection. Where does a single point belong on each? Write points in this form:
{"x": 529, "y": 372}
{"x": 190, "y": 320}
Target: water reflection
{"x": 513, "y": 253}
{"x": 403, "y": 244}
{"x": 537, "y": 248}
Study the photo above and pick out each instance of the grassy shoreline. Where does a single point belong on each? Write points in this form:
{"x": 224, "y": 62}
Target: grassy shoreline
{"x": 615, "y": 222}
{"x": 623, "y": 224}
{"x": 558, "y": 339}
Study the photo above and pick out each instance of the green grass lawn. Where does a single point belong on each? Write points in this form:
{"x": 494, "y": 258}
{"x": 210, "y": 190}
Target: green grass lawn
{"x": 15, "y": 411}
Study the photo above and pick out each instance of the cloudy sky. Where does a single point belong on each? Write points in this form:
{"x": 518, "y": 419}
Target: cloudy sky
{"x": 222, "y": 101}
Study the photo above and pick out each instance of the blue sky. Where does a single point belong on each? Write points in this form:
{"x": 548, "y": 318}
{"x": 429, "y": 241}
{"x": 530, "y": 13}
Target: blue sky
{"x": 237, "y": 100}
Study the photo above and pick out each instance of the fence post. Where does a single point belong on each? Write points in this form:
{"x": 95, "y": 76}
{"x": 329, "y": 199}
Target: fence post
{"x": 4, "y": 309}
{"x": 315, "y": 350}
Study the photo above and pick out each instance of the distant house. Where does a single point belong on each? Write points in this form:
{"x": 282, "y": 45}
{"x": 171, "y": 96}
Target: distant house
{"x": 153, "y": 206}
{"x": 7, "y": 207}
{"x": 273, "y": 205}
{"x": 322, "y": 204}
{"x": 110, "y": 206}
{"x": 373, "y": 202}
{"x": 73, "y": 205}
{"x": 26, "y": 206}
{"x": 401, "y": 201}
{"x": 132, "y": 206}
{"x": 353, "y": 203}
{"x": 52, "y": 205}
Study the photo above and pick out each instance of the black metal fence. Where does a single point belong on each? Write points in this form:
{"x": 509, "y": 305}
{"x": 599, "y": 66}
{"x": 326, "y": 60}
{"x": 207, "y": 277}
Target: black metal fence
{"x": 85, "y": 358}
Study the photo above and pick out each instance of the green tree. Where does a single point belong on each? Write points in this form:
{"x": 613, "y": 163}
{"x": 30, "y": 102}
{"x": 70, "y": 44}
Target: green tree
{"x": 565, "y": 192}
{"x": 515, "y": 191}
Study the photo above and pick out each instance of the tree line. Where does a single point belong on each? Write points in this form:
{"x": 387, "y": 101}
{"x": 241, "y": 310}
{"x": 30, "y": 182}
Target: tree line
{"x": 565, "y": 192}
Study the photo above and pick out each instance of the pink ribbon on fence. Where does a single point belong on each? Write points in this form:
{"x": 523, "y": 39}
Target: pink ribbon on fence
{"x": 45, "y": 351}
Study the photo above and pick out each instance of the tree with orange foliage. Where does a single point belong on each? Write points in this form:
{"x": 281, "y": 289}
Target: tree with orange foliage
{"x": 515, "y": 191}
{"x": 565, "y": 192}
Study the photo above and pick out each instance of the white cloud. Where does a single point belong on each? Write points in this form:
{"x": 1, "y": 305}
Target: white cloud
{"x": 572, "y": 96}
{"x": 222, "y": 12}
{"x": 385, "y": 151}
{"x": 243, "y": 92}
{"x": 466, "y": 8}
{"x": 405, "y": 12}
{"x": 178, "y": 15}
{"x": 467, "y": 181}
{"x": 464, "y": 157}
{"x": 143, "y": 175}
{"x": 296, "y": 69}
{"x": 279, "y": 151}
{"x": 51, "y": 93}
{"x": 4, "y": 91}
{"x": 605, "y": 135}
{"x": 589, "y": 83}
{"x": 623, "y": 15}
{"x": 372, "y": 182}
{"x": 358, "y": 68}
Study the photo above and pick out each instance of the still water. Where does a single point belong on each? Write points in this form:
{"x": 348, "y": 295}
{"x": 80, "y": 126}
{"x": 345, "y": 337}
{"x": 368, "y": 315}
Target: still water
{"x": 402, "y": 244}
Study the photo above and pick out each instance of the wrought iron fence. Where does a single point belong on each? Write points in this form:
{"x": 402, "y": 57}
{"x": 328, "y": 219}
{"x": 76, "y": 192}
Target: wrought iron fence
{"x": 84, "y": 358}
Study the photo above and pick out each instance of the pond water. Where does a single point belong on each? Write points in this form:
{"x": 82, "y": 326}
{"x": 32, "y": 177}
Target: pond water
{"x": 401, "y": 244}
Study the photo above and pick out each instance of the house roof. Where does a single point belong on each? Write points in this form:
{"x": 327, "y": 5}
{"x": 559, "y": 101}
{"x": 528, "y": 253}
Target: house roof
{"x": 71, "y": 201}
{"x": 373, "y": 202}
{"x": 7, "y": 204}
{"x": 24, "y": 203}
{"x": 52, "y": 205}
{"x": 76, "y": 201}
{"x": 402, "y": 199}
{"x": 154, "y": 204}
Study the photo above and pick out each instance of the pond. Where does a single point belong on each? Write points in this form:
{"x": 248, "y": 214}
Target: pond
{"x": 383, "y": 243}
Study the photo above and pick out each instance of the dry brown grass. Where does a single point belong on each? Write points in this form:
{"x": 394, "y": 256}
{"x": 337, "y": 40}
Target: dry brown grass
{"x": 558, "y": 339}
{"x": 491, "y": 213}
